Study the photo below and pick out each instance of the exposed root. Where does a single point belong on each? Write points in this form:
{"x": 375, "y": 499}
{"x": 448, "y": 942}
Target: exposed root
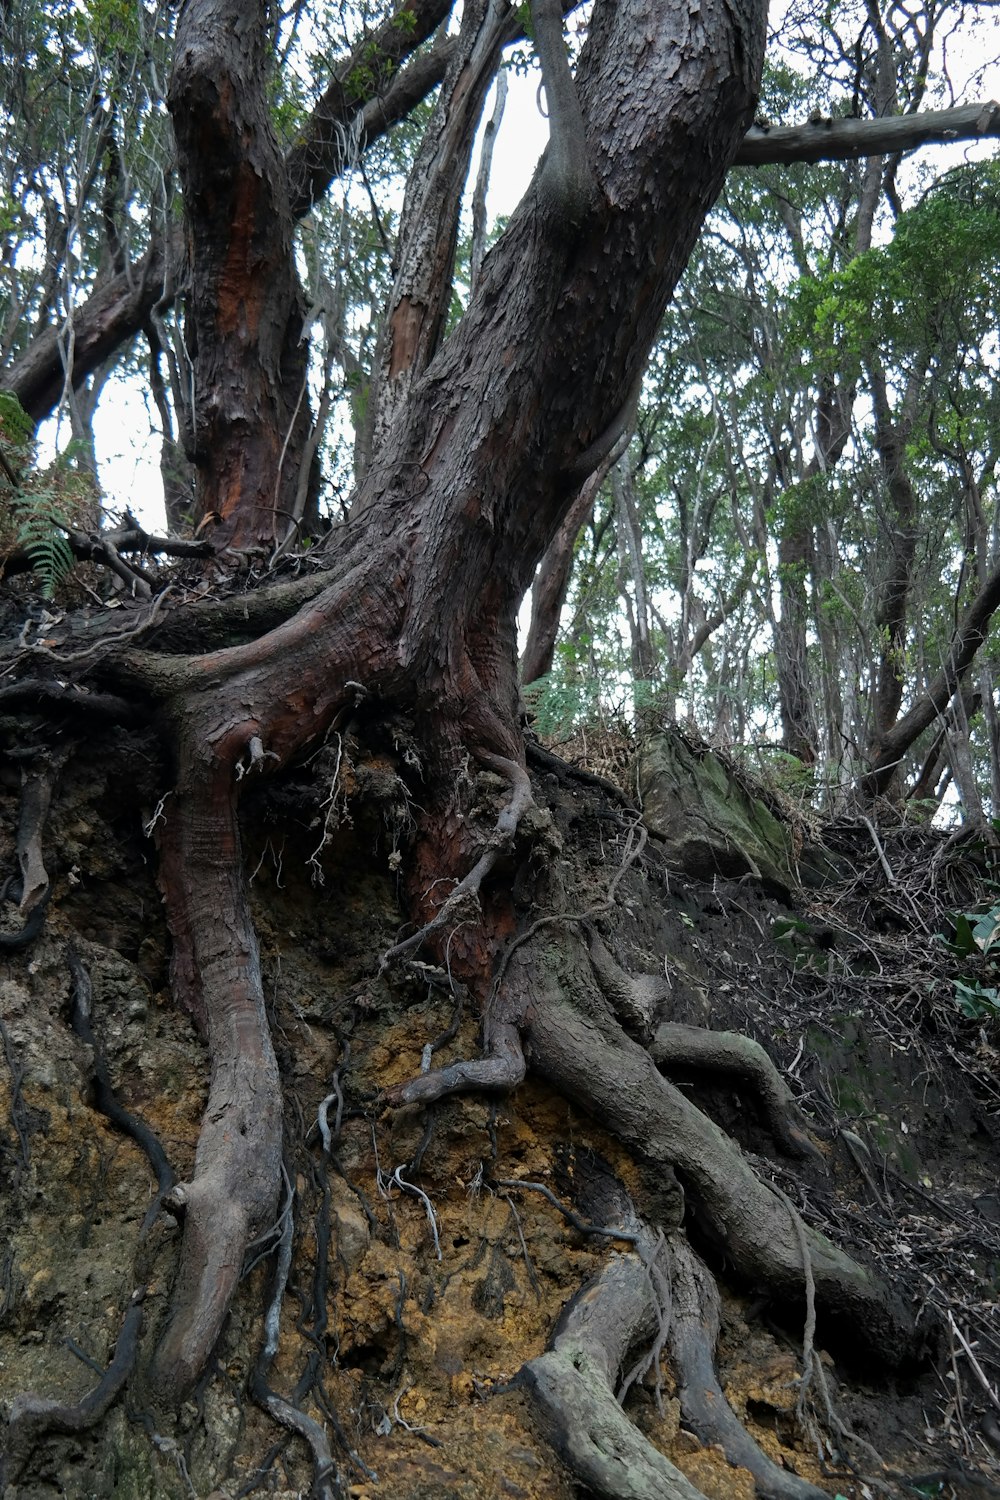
{"x": 105, "y": 1097}
{"x": 325, "y": 1485}
{"x": 573, "y": 1041}
{"x": 465, "y": 895}
{"x": 10, "y": 942}
{"x": 573, "y": 1383}
{"x": 36, "y": 794}
{"x": 694, "y": 1331}
{"x": 729, "y": 1053}
{"x": 34, "y": 887}
{"x": 630, "y": 1236}
{"x": 33, "y": 1417}
{"x": 216, "y": 967}
{"x": 634, "y": 998}
{"x": 660, "y": 1291}
{"x": 501, "y": 1069}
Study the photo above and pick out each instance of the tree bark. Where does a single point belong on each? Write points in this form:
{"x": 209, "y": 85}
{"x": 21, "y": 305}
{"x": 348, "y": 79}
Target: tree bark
{"x": 474, "y": 476}
{"x": 850, "y": 139}
{"x": 244, "y": 313}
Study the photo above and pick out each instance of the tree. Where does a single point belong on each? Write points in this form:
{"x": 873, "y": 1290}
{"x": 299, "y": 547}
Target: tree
{"x": 479, "y": 443}
{"x": 804, "y": 364}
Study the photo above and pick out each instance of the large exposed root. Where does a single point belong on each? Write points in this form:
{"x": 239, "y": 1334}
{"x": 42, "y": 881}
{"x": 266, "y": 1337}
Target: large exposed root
{"x": 660, "y": 1292}
{"x": 728, "y": 1053}
{"x": 233, "y": 1195}
{"x": 570, "y": 1036}
{"x": 694, "y": 1330}
{"x": 573, "y": 1041}
{"x": 573, "y": 1383}
{"x": 637, "y": 998}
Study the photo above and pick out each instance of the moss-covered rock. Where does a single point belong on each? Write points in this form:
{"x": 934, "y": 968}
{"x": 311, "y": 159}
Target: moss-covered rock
{"x": 713, "y": 820}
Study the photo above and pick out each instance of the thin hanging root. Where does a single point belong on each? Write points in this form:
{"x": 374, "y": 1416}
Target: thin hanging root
{"x": 32, "y": 1417}
{"x": 572, "y": 1386}
{"x": 694, "y": 1330}
{"x": 105, "y": 1098}
{"x": 727, "y": 1052}
{"x": 325, "y": 1479}
{"x": 466, "y": 892}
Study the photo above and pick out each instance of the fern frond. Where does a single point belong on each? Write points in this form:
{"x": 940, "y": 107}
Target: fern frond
{"x": 41, "y": 523}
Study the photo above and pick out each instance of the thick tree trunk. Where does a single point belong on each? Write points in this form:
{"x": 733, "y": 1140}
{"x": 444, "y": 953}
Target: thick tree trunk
{"x": 244, "y": 314}
{"x": 474, "y": 476}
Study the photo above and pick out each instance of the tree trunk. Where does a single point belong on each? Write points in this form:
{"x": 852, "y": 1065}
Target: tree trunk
{"x": 474, "y": 475}
{"x": 244, "y": 313}
{"x": 409, "y": 623}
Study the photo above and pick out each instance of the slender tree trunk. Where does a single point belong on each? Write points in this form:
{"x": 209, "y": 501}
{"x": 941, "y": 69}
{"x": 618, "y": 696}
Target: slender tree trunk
{"x": 551, "y": 583}
{"x": 631, "y": 569}
{"x": 244, "y": 312}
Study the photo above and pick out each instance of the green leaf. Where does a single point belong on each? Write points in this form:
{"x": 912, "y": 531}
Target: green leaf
{"x": 978, "y": 1002}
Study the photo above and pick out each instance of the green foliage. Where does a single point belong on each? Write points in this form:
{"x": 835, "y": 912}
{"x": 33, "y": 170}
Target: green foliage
{"x": 559, "y": 705}
{"x": 937, "y": 278}
{"x": 37, "y": 509}
{"x": 17, "y": 430}
{"x": 976, "y": 935}
{"x": 40, "y": 519}
{"x": 978, "y": 1002}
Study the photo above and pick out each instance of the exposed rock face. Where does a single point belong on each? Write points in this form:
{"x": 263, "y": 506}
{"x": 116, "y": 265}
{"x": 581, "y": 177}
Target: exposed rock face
{"x": 714, "y": 821}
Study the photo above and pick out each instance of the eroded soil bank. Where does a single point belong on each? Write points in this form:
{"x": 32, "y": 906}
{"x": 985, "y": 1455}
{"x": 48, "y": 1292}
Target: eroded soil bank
{"x": 421, "y": 1281}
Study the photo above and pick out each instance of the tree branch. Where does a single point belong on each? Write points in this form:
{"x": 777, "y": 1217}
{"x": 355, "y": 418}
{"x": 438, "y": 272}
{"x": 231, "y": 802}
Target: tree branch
{"x": 363, "y": 81}
{"x": 934, "y": 701}
{"x": 846, "y": 140}
{"x": 567, "y": 176}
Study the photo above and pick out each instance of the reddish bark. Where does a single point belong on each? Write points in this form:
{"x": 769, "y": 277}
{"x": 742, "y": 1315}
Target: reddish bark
{"x": 471, "y": 481}
{"x": 244, "y": 315}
